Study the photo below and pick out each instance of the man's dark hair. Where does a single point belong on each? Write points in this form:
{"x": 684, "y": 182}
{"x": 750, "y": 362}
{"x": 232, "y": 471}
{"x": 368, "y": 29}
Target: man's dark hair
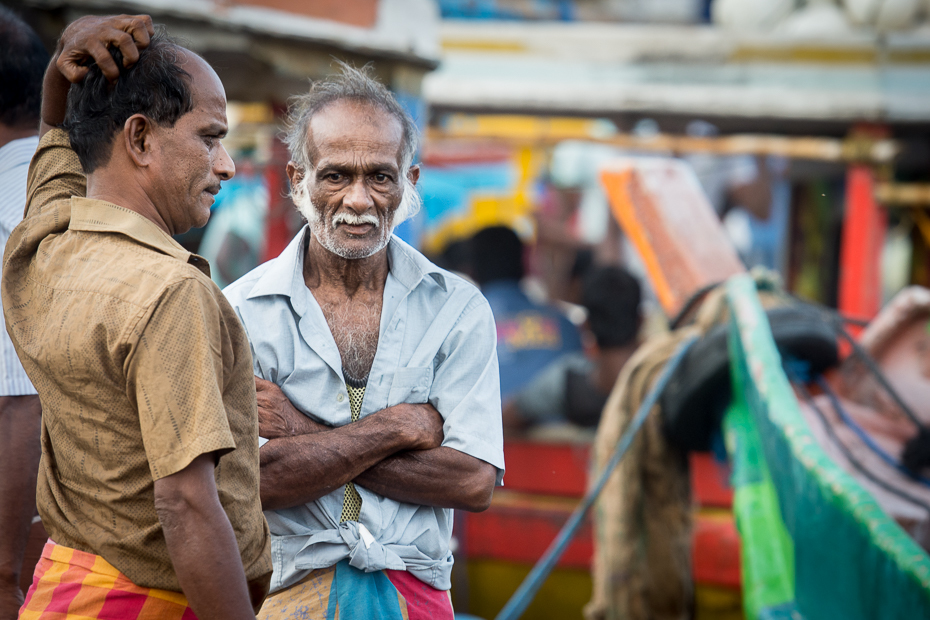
{"x": 155, "y": 86}
{"x": 23, "y": 60}
{"x": 497, "y": 254}
{"x": 612, "y": 298}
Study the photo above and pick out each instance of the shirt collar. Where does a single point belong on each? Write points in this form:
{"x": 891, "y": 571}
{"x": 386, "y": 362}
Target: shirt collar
{"x": 99, "y": 216}
{"x": 285, "y": 274}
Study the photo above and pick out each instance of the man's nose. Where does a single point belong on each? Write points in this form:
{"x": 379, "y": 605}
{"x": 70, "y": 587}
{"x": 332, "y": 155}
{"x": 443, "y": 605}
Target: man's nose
{"x": 358, "y": 197}
{"x": 224, "y": 167}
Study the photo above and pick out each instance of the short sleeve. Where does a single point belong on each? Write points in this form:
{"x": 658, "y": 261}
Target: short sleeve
{"x": 466, "y": 387}
{"x": 55, "y": 173}
{"x": 175, "y": 376}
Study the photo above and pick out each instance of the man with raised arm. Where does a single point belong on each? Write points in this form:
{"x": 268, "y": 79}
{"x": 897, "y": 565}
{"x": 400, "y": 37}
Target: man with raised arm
{"x": 391, "y": 366}
{"x": 149, "y": 472}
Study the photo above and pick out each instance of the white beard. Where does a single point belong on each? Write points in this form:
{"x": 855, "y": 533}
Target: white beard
{"x": 324, "y": 232}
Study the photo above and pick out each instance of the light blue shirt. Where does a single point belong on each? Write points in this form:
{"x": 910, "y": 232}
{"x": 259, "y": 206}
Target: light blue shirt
{"x": 437, "y": 344}
{"x": 14, "y": 166}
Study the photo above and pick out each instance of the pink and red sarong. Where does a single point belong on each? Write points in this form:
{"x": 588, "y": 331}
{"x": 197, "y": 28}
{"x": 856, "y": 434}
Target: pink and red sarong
{"x": 342, "y": 592}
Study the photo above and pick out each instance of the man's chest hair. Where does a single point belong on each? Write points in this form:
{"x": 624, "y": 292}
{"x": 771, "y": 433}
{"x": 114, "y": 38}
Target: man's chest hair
{"x": 354, "y": 324}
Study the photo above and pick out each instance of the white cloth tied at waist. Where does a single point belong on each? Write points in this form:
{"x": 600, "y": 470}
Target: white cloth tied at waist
{"x": 364, "y": 552}
{"x": 352, "y": 541}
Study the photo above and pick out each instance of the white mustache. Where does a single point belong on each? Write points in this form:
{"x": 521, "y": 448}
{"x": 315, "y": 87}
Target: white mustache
{"x": 353, "y": 219}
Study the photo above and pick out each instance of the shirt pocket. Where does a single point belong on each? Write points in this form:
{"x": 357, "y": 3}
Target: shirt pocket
{"x": 410, "y": 385}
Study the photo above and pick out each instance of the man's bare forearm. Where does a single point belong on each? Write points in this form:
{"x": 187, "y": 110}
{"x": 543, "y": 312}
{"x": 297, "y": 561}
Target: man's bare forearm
{"x": 302, "y": 468}
{"x": 54, "y": 97}
{"x": 202, "y": 544}
{"x": 20, "y": 449}
{"x": 442, "y": 477}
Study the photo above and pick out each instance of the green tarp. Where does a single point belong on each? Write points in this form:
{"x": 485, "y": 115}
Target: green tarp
{"x": 815, "y": 544}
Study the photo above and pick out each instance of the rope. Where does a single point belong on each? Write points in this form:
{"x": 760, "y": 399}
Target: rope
{"x": 530, "y": 586}
{"x": 831, "y": 432}
{"x": 865, "y": 437}
{"x": 836, "y": 321}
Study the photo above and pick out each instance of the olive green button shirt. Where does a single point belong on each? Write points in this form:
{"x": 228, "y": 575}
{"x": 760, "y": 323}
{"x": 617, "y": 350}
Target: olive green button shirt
{"x": 141, "y": 365}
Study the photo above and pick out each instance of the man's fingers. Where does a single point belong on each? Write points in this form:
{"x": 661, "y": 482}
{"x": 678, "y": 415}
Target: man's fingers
{"x": 142, "y": 29}
{"x": 101, "y": 55}
{"x": 127, "y": 46}
{"x": 93, "y": 37}
{"x": 261, "y": 384}
{"x": 72, "y": 71}
{"x": 139, "y": 31}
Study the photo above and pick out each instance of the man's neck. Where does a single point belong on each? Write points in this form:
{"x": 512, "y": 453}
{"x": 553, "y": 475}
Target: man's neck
{"x": 610, "y": 362}
{"x": 9, "y": 134}
{"x": 120, "y": 190}
{"x": 325, "y": 270}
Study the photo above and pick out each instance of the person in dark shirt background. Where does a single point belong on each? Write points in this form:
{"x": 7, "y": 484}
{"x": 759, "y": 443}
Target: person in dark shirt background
{"x": 575, "y": 388}
{"x": 530, "y": 335}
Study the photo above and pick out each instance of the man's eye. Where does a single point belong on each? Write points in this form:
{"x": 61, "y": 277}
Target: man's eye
{"x": 381, "y": 178}
{"x": 334, "y": 176}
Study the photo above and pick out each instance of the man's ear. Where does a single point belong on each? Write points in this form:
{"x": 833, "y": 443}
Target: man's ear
{"x": 137, "y": 139}
{"x": 294, "y": 174}
{"x": 414, "y": 173}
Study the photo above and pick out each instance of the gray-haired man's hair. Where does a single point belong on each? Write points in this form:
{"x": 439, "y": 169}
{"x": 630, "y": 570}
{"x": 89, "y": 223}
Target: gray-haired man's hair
{"x": 355, "y": 85}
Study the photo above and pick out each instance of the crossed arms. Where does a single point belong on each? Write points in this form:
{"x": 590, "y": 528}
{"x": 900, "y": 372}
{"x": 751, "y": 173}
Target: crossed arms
{"x": 395, "y": 452}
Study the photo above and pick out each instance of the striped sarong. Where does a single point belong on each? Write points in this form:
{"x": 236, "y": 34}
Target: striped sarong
{"x": 74, "y": 585}
{"x": 342, "y": 592}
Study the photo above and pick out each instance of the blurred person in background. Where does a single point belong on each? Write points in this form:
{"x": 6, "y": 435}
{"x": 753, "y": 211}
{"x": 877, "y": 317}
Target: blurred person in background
{"x": 22, "y": 64}
{"x": 575, "y": 387}
{"x": 530, "y": 335}
{"x": 234, "y": 238}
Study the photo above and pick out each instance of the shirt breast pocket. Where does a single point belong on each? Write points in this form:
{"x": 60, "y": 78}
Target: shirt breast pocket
{"x": 410, "y": 385}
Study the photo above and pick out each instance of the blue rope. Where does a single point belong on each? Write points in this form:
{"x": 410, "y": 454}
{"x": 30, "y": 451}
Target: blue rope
{"x": 865, "y": 437}
{"x": 530, "y": 586}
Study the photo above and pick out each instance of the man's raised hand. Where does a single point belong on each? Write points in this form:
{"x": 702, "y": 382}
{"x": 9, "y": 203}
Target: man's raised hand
{"x": 91, "y": 37}
{"x": 86, "y": 39}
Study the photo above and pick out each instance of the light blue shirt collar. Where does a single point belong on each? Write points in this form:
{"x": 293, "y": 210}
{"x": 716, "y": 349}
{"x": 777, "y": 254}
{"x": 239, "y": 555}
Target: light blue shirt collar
{"x": 286, "y": 275}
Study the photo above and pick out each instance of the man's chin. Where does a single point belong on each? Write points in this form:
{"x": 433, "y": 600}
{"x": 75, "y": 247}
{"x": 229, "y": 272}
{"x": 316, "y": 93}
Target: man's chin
{"x": 201, "y": 214}
{"x": 355, "y": 249}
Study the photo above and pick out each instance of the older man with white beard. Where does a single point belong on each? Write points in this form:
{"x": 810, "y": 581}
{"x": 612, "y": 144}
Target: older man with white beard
{"x": 377, "y": 375}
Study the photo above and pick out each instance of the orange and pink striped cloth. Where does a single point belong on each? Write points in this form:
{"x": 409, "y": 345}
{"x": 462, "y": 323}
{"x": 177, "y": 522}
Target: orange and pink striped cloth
{"x": 75, "y": 585}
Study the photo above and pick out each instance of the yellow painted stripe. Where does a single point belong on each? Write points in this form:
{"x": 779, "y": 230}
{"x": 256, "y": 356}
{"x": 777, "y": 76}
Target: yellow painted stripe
{"x": 482, "y": 45}
{"x": 807, "y": 54}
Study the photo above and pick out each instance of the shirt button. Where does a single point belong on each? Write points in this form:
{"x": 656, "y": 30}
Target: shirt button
{"x": 340, "y": 397}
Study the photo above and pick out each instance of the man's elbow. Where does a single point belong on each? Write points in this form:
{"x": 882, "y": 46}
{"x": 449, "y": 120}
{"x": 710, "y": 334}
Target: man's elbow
{"x": 188, "y": 494}
{"x": 480, "y": 490}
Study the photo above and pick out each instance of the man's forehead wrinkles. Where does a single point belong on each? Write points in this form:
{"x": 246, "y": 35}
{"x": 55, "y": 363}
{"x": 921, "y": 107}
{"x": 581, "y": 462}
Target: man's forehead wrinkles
{"x": 341, "y": 122}
{"x": 363, "y": 163}
{"x": 367, "y": 142}
{"x": 355, "y": 152}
